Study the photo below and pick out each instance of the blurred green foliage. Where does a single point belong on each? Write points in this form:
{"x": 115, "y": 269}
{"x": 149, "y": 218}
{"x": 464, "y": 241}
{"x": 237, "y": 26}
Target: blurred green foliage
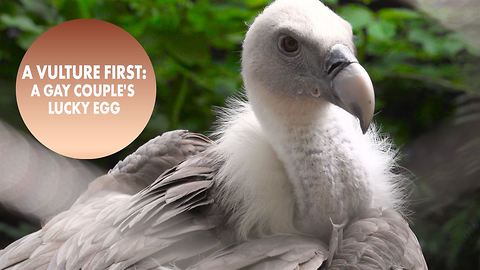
{"x": 417, "y": 66}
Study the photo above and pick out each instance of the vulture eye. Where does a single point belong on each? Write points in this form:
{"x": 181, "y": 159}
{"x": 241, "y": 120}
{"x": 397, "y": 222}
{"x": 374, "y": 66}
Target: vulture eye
{"x": 288, "y": 45}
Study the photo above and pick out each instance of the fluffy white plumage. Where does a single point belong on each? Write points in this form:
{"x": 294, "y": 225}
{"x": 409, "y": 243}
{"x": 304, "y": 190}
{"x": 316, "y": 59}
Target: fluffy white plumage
{"x": 256, "y": 181}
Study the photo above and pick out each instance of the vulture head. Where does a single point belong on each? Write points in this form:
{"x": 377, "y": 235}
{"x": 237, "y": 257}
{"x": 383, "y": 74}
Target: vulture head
{"x": 298, "y": 57}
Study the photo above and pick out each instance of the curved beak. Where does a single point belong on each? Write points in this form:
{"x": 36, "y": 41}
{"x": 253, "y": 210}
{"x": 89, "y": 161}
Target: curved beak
{"x": 351, "y": 86}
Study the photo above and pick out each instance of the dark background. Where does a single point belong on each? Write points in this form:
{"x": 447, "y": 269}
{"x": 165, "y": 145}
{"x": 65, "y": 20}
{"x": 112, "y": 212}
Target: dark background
{"x": 424, "y": 68}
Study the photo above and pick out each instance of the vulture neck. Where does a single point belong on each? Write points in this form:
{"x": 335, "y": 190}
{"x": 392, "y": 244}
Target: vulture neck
{"x": 316, "y": 143}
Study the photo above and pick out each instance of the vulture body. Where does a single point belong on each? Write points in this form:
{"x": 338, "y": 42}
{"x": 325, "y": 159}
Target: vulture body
{"x": 293, "y": 181}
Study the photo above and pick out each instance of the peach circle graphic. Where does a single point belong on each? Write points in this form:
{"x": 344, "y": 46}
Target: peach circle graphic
{"x": 86, "y": 89}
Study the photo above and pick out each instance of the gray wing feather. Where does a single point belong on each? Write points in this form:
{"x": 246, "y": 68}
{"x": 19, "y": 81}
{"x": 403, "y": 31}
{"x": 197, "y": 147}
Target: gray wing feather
{"x": 151, "y": 229}
{"x": 379, "y": 240}
{"x": 161, "y": 153}
{"x": 277, "y": 252}
{"x": 145, "y": 165}
{"x": 89, "y": 234}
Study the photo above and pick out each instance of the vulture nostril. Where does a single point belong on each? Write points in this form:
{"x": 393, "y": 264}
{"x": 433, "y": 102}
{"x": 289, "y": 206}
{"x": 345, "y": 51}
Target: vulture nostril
{"x": 316, "y": 92}
{"x": 333, "y": 67}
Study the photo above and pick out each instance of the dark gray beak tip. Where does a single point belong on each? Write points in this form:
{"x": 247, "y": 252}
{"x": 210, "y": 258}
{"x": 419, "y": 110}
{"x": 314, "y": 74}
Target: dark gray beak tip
{"x": 357, "y": 111}
{"x": 364, "y": 126}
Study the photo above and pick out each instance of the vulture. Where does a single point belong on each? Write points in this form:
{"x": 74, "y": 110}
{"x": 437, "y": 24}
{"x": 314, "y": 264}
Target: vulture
{"x": 295, "y": 179}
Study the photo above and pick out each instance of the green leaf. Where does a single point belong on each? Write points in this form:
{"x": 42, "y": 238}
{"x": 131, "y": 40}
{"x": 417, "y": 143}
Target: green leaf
{"x": 256, "y": 3}
{"x": 381, "y": 30}
{"x": 21, "y": 22}
{"x": 358, "y": 16}
{"x": 189, "y": 48}
{"x": 59, "y": 4}
{"x": 398, "y": 14}
{"x": 452, "y": 45}
{"x": 40, "y": 8}
{"x": 84, "y": 6}
{"x": 427, "y": 40}
{"x": 330, "y": 2}
{"x": 26, "y": 39}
